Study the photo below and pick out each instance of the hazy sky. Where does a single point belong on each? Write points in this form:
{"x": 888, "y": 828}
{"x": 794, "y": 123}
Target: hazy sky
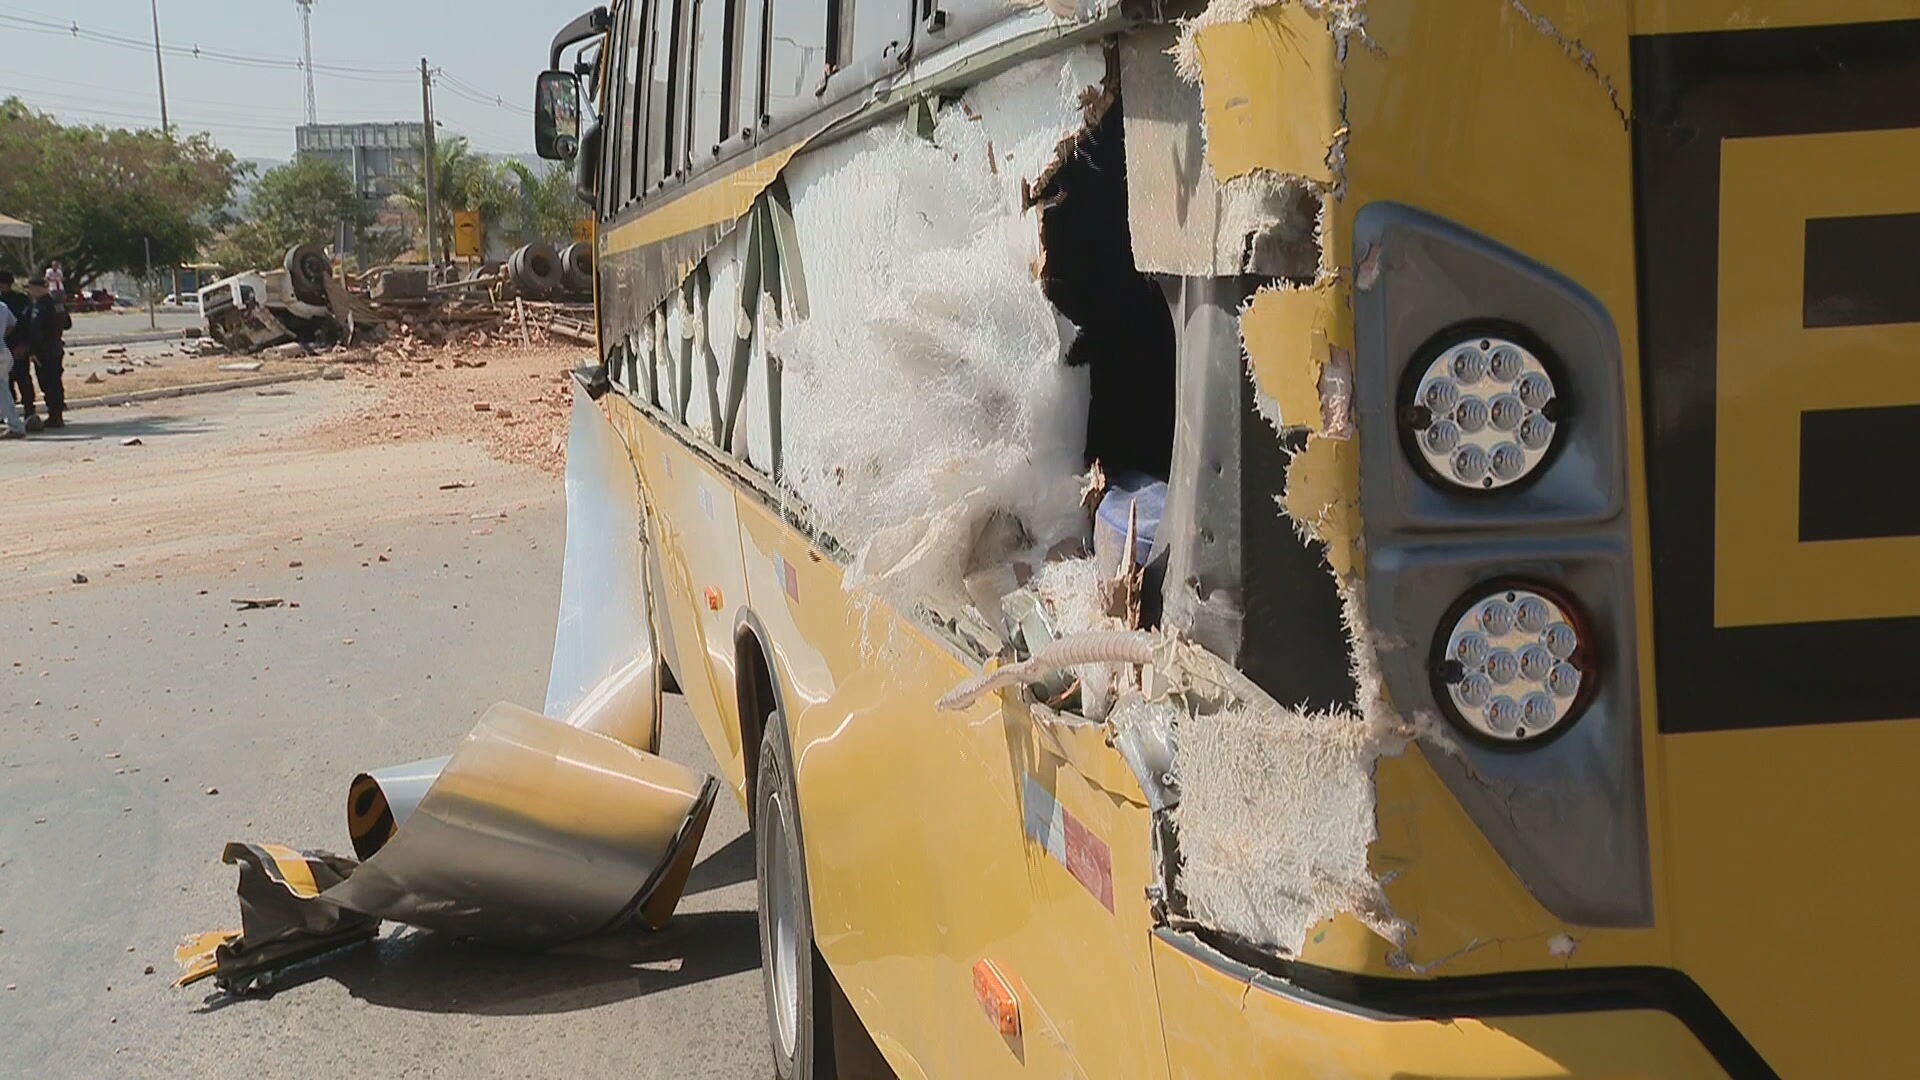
{"x": 488, "y": 48}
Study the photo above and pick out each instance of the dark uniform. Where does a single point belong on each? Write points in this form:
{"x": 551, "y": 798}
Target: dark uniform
{"x": 46, "y": 323}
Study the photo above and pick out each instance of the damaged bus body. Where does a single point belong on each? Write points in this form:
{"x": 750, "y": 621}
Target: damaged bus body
{"x": 1281, "y": 537}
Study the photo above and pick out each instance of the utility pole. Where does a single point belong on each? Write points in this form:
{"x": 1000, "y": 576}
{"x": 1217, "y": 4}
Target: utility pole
{"x": 426, "y": 115}
{"x": 160, "y": 69}
{"x": 306, "y": 42}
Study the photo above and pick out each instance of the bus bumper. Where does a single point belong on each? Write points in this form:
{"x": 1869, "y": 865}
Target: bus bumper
{"x": 1223, "y": 1019}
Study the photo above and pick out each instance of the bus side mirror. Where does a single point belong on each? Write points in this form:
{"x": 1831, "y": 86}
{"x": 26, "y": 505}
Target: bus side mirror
{"x": 556, "y": 116}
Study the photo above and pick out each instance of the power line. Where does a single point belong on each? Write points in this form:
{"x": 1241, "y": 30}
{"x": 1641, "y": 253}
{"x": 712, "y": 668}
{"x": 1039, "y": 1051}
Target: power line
{"x": 348, "y": 72}
{"x": 263, "y": 112}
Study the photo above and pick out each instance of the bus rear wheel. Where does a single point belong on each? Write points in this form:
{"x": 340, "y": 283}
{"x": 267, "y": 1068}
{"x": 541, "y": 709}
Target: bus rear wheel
{"x": 799, "y": 1014}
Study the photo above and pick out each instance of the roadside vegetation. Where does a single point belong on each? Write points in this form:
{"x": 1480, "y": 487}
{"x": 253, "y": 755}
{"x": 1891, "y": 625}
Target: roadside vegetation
{"x": 106, "y": 200}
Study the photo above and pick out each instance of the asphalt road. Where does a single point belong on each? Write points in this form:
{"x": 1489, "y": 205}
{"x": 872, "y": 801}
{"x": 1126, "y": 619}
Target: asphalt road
{"x": 126, "y": 703}
{"x": 123, "y": 324}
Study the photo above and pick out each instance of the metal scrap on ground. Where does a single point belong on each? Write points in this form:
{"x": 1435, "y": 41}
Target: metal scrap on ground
{"x": 537, "y": 829}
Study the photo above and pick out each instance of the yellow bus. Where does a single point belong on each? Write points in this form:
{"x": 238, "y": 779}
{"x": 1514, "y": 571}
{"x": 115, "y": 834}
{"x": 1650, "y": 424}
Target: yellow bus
{"x": 1284, "y": 538}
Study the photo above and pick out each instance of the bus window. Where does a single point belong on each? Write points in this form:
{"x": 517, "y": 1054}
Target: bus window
{"x": 637, "y": 85}
{"x": 709, "y": 78}
{"x": 659, "y": 96}
{"x": 607, "y": 109}
{"x": 796, "y": 56}
{"x": 744, "y": 85}
{"x": 619, "y": 191}
{"x": 879, "y": 26}
{"x": 672, "y": 126}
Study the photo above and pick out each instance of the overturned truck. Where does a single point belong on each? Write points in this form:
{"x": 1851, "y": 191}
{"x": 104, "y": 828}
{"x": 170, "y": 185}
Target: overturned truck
{"x": 304, "y": 301}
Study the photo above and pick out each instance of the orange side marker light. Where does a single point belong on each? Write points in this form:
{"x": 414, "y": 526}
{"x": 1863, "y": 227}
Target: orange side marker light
{"x": 997, "y": 999}
{"x": 713, "y": 598}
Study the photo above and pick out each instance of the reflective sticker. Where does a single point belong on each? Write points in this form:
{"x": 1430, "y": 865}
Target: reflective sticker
{"x": 666, "y": 461}
{"x": 706, "y": 502}
{"x": 789, "y": 576}
{"x": 1070, "y": 842}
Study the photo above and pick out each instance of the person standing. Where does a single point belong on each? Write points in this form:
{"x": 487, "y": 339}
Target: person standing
{"x": 17, "y": 303}
{"x": 47, "y": 323}
{"x": 57, "y": 281}
{"x": 14, "y": 428}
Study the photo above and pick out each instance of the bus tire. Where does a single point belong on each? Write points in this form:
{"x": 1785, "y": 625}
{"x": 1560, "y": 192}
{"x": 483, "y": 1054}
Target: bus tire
{"x": 799, "y": 1009}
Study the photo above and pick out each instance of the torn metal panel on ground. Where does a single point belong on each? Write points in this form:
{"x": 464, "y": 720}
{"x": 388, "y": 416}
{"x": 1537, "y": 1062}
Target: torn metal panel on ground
{"x": 535, "y": 830}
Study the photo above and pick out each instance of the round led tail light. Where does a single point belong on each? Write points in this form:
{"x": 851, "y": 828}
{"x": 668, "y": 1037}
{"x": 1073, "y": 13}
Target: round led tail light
{"x": 1483, "y": 414}
{"x": 1514, "y": 666}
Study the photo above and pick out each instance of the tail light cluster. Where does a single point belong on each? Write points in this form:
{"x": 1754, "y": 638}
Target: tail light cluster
{"x": 1497, "y": 537}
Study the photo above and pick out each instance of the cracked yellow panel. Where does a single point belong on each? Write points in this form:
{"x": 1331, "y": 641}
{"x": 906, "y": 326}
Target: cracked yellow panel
{"x": 1592, "y": 35}
{"x": 1323, "y": 496}
{"x": 1269, "y": 94}
{"x": 1287, "y": 334}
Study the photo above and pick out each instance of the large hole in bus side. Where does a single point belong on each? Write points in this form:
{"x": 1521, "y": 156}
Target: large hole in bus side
{"x": 1124, "y": 337}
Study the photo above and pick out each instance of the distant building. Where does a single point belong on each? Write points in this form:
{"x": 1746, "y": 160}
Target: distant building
{"x": 375, "y": 155}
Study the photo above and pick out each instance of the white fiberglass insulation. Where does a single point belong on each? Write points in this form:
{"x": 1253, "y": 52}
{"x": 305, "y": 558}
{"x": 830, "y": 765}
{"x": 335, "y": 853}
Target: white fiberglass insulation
{"x": 1276, "y": 809}
{"x": 925, "y": 389}
{"x": 1074, "y": 591}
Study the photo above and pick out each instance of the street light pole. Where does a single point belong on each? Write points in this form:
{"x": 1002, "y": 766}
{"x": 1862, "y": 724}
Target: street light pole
{"x": 160, "y": 70}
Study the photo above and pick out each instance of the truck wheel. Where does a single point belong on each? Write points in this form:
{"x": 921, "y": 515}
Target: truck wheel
{"x": 799, "y": 1013}
{"x": 307, "y": 269}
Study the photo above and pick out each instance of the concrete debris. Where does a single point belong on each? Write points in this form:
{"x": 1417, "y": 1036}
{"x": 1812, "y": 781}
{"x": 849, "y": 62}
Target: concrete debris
{"x": 256, "y": 602}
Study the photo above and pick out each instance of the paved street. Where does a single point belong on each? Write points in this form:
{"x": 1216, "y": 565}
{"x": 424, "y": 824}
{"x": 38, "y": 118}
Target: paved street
{"x": 144, "y": 722}
{"x": 122, "y": 324}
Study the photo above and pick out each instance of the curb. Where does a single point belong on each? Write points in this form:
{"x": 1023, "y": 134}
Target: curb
{"x": 164, "y": 392}
{"x": 144, "y": 337}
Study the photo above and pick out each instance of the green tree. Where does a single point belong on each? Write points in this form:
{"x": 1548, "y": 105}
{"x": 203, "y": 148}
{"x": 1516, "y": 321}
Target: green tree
{"x": 462, "y": 180}
{"x": 101, "y": 199}
{"x": 547, "y": 203}
{"x": 304, "y": 202}
{"x": 517, "y": 204}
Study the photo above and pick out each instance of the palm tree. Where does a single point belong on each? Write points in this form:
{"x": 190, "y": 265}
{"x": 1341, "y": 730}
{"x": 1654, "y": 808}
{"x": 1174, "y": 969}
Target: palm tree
{"x": 462, "y": 180}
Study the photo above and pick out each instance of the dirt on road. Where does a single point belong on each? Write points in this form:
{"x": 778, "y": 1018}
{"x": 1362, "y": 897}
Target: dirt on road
{"x": 513, "y": 401}
{"x": 302, "y": 459}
